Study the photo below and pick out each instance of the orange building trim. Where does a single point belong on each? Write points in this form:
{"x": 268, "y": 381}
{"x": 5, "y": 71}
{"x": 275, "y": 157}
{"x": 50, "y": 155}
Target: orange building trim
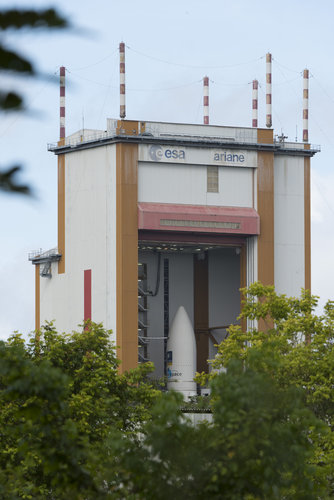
{"x": 307, "y": 222}
{"x": 128, "y": 127}
{"x": 265, "y": 208}
{"x": 61, "y": 212}
{"x": 37, "y": 298}
{"x": 127, "y": 254}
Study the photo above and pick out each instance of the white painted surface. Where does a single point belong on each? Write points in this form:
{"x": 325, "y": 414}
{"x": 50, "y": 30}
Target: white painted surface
{"x": 90, "y": 236}
{"x": 197, "y": 418}
{"x": 251, "y": 259}
{"x": 289, "y": 225}
{"x": 251, "y": 269}
{"x": 187, "y": 184}
{"x": 110, "y": 269}
{"x": 162, "y": 153}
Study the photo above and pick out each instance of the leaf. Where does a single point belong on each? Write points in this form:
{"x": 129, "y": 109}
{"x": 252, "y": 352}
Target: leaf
{"x": 8, "y": 181}
{"x": 48, "y": 18}
{"x": 11, "y": 61}
{"x": 10, "y": 100}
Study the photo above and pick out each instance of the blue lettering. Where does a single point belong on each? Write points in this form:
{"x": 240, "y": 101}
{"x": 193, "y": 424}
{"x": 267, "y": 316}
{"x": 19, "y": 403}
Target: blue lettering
{"x": 228, "y": 157}
{"x": 175, "y": 153}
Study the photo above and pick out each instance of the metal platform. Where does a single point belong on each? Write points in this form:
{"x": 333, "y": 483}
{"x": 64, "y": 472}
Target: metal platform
{"x": 44, "y": 260}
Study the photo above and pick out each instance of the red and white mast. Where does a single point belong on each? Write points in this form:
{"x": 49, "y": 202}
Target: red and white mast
{"x": 269, "y": 121}
{"x": 62, "y": 103}
{"x": 305, "y": 104}
{"x": 122, "y": 79}
{"x": 206, "y": 100}
{"x": 255, "y": 100}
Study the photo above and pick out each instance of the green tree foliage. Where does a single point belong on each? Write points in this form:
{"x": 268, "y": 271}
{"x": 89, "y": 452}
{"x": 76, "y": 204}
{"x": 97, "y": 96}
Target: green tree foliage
{"x": 257, "y": 447}
{"x": 295, "y": 349}
{"x": 61, "y": 397}
{"x": 73, "y": 427}
{"x": 40, "y": 446}
{"x": 15, "y": 64}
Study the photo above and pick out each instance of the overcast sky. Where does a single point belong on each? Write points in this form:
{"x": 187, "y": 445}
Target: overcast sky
{"x": 170, "y": 46}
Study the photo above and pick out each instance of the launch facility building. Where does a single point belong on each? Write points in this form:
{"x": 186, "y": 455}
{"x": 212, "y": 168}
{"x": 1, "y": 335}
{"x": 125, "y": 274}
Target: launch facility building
{"x": 154, "y": 216}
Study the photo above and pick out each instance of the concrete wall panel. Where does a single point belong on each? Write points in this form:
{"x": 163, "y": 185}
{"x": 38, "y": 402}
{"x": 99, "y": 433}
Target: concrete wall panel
{"x": 90, "y": 235}
{"x": 289, "y": 225}
{"x": 187, "y": 184}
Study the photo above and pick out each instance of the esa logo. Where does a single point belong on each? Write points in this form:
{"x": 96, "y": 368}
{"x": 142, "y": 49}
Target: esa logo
{"x": 157, "y": 153}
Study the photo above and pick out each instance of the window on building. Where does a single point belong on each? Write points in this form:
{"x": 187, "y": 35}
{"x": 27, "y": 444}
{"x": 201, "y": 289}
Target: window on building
{"x": 212, "y": 179}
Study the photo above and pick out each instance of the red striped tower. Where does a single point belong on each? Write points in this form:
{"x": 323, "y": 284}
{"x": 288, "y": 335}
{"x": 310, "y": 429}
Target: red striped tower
{"x": 268, "y": 91}
{"x": 122, "y": 79}
{"x": 305, "y": 104}
{"x": 255, "y": 103}
{"x": 206, "y": 100}
{"x": 62, "y": 103}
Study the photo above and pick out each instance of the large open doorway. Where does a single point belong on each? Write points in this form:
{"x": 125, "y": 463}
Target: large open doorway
{"x": 204, "y": 278}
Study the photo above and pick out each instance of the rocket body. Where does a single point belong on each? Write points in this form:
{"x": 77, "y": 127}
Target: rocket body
{"x": 181, "y": 355}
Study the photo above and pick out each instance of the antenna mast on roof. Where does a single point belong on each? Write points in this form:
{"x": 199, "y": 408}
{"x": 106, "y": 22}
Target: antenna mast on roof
{"x": 305, "y": 104}
{"x": 255, "y": 103}
{"x": 268, "y": 91}
{"x": 122, "y": 79}
{"x": 62, "y": 103}
{"x": 206, "y": 100}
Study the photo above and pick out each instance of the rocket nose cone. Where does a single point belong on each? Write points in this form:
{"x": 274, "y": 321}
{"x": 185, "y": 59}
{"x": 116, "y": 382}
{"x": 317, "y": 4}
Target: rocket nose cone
{"x": 181, "y": 318}
{"x": 181, "y": 337}
{"x": 181, "y": 354}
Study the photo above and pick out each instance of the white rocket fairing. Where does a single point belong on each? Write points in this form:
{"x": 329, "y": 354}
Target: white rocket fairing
{"x": 181, "y": 355}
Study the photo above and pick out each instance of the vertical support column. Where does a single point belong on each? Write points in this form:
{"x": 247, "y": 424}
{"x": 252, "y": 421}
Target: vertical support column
{"x": 87, "y": 294}
{"x": 243, "y": 280}
{"x": 122, "y": 79}
{"x": 307, "y": 222}
{"x": 127, "y": 254}
{"x": 206, "y": 100}
{"x": 268, "y": 92}
{"x": 62, "y": 104}
{"x": 61, "y": 212}
{"x": 305, "y": 104}
{"x": 201, "y": 311}
{"x": 166, "y": 311}
{"x": 61, "y": 175}
{"x": 265, "y": 208}
{"x": 37, "y": 298}
{"x": 255, "y": 103}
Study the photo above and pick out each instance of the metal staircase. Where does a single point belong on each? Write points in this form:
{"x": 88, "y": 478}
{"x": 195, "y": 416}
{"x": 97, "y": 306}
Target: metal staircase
{"x": 142, "y": 313}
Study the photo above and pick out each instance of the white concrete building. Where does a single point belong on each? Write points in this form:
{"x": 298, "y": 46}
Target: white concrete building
{"x": 152, "y": 216}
